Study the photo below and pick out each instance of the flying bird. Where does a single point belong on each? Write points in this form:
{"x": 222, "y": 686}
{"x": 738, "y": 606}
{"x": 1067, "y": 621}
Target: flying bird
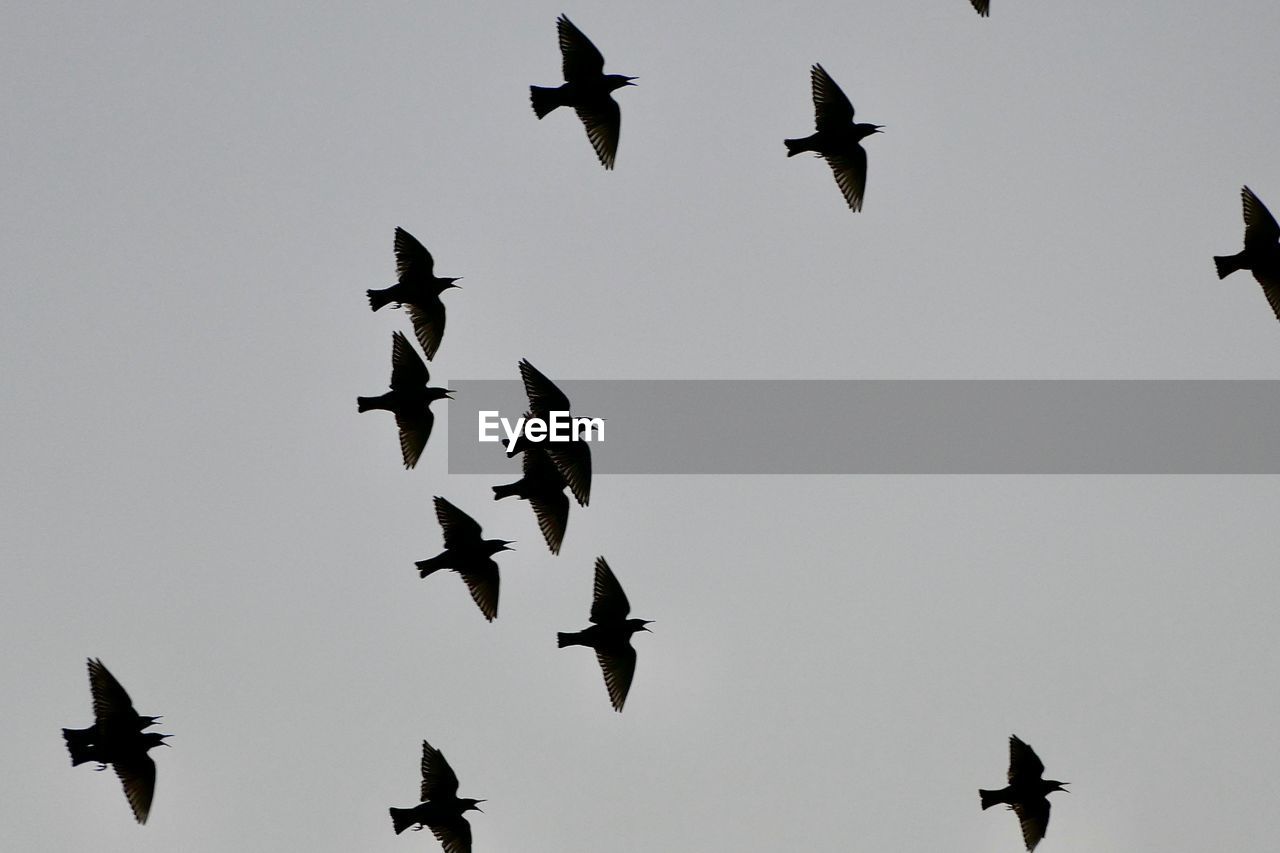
{"x": 409, "y": 398}
{"x": 418, "y": 289}
{"x": 572, "y": 458}
{"x": 1261, "y": 253}
{"x": 543, "y": 487}
{"x": 609, "y": 634}
{"x": 838, "y": 138}
{"x": 1026, "y": 792}
{"x": 468, "y": 555}
{"x": 587, "y": 89}
{"x": 441, "y": 809}
{"x": 983, "y": 7}
{"x": 117, "y": 738}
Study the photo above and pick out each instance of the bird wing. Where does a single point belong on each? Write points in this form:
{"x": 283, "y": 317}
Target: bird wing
{"x": 1034, "y": 817}
{"x": 850, "y": 170}
{"x": 482, "y": 581}
{"x": 415, "y": 429}
{"x": 138, "y": 775}
{"x": 1260, "y": 228}
{"x": 1270, "y": 287}
{"x": 428, "y": 327}
{"x": 412, "y": 258}
{"x": 619, "y": 666}
{"x": 459, "y": 528}
{"x": 552, "y": 511}
{"x": 454, "y": 834}
{"x": 407, "y": 367}
{"x": 438, "y": 779}
{"x": 581, "y": 58}
{"x": 1025, "y": 766}
{"x": 544, "y": 396}
{"x": 603, "y": 121}
{"x": 573, "y": 461}
{"x": 983, "y": 7}
{"x": 831, "y": 107}
{"x": 110, "y": 701}
{"x": 608, "y": 603}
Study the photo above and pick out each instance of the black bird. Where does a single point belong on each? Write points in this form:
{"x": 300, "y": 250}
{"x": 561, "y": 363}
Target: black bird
{"x": 983, "y": 7}
{"x": 838, "y": 137}
{"x": 441, "y": 809}
{"x": 1026, "y": 792}
{"x": 543, "y": 487}
{"x": 468, "y": 555}
{"x": 418, "y": 289}
{"x": 117, "y": 738}
{"x": 586, "y": 89}
{"x": 1261, "y": 253}
{"x": 609, "y": 634}
{"x": 409, "y": 398}
{"x": 571, "y": 458}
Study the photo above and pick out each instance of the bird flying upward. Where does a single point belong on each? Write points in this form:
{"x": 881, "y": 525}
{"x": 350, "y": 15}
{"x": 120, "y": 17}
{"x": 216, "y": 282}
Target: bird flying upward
{"x": 609, "y": 634}
{"x": 418, "y": 289}
{"x": 441, "y": 810}
{"x": 468, "y": 555}
{"x": 409, "y": 398}
{"x": 587, "y": 89}
{"x": 838, "y": 139}
{"x": 1261, "y": 253}
{"x": 1026, "y": 792}
{"x": 117, "y": 738}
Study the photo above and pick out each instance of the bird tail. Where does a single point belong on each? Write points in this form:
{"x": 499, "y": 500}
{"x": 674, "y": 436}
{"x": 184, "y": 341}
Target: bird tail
{"x": 426, "y": 567}
{"x": 509, "y": 490}
{"x": 402, "y": 819}
{"x": 544, "y": 100}
{"x": 795, "y": 146}
{"x": 989, "y": 798}
{"x": 364, "y": 404}
{"x": 80, "y": 745}
{"x": 1227, "y": 264}
{"x": 379, "y": 298}
{"x": 568, "y": 639}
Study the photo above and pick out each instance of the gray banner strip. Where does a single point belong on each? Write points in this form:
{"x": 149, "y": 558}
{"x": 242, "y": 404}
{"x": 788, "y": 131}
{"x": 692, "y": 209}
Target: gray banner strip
{"x": 899, "y": 426}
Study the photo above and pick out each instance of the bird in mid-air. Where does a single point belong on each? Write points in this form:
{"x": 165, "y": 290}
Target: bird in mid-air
{"x": 1261, "y": 253}
{"x": 468, "y": 555}
{"x": 117, "y": 738}
{"x": 838, "y": 138}
{"x": 1026, "y": 792}
{"x": 983, "y": 7}
{"x": 409, "y": 398}
{"x": 572, "y": 458}
{"x": 543, "y": 487}
{"x": 418, "y": 289}
{"x": 587, "y": 89}
{"x": 609, "y": 634}
{"x": 441, "y": 808}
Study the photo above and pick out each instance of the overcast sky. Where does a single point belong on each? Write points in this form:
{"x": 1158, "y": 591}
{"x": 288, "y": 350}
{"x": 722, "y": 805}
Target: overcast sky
{"x": 195, "y": 199}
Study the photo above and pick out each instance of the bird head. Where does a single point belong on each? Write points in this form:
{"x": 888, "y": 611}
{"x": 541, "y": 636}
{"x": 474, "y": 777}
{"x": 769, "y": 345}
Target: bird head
{"x": 496, "y": 545}
{"x": 468, "y": 804}
{"x": 639, "y": 624}
{"x": 449, "y": 282}
{"x": 439, "y": 394}
{"x": 617, "y": 81}
{"x": 151, "y": 739}
{"x": 1052, "y": 785}
{"x": 147, "y": 722}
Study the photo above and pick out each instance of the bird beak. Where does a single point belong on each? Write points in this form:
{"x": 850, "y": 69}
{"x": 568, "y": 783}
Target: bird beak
{"x": 506, "y": 547}
{"x": 879, "y": 128}
{"x": 646, "y": 624}
{"x": 451, "y": 283}
{"x": 629, "y": 79}
{"x": 449, "y": 393}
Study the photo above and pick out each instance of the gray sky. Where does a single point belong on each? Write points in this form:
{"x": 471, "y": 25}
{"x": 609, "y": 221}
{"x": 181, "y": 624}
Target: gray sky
{"x": 195, "y": 201}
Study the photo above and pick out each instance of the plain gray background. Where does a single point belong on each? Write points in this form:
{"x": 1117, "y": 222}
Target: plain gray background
{"x": 196, "y": 198}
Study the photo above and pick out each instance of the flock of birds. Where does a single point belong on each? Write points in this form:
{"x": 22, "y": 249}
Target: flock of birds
{"x": 118, "y": 735}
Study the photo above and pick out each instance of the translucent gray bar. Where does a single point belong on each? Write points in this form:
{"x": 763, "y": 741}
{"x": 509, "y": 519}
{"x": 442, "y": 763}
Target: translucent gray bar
{"x": 900, "y": 426}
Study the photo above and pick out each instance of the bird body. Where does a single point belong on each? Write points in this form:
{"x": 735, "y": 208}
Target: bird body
{"x": 417, "y": 288}
{"x": 409, "y": 399}
{"x": 441, "y": 809}
{"x": 838, "y": 138}
{"x": 609, "y": 634}
{"x": 542, "y": 485}
{"x": 1026, "y": 792}
{"x": 1261, "y": 253}
{"x": 466, "y": 553}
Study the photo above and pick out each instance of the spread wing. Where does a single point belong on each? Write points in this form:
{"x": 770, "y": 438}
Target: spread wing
{"x": 110, "y": 701}
{"x": 482, "y": 581}
{"x": 581, "y": 58}
{"x": 438, "y": 779}
{"x": 454, "y": 834}
{"x": 552, "y": 511}
{"x": 407, "y": 368}
{"x": 831, "y": 108}
{"x": 415, "y": 429}
{"x": 609, "y": 603}
{"x": 544, "y": 396}
{"x": 1034, "y": 817}
{"x": 573, "y": 461}
{"x": 850, "y": 170}
{"x": 412, "y": 258}
{"x": 619, "y": 666}
{"x": 983, "y": 7}
{"x": 603, "y": 121}
{"x": 1025, "y": 766}
{"x": 138, "y": 775}
{"x": 459, "y": 528}
{"x": 1270, "y": 287}
{"x": 1260, "y": 228}
{"x": 428, "y": 326}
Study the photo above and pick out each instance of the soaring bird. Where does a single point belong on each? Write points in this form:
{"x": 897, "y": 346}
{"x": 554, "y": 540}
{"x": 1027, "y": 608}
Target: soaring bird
{"x": 418, "y": 289}
{"x": 542, "y": 486}
{"x": 117, "y": 738}
{"x": 441, "y": 809}
{"x": 838, "y": 137}
{"x": 1261, "y": 253}
{"x": 609, "y": 634}
{"x": 1026, "y": 792}
{"x": 571, "y": 458}
{"x": 409, "y": 398}
{"x": 468, "y": 555}
{"x": 983, "y": 7}
{"x": 587, "y": 89}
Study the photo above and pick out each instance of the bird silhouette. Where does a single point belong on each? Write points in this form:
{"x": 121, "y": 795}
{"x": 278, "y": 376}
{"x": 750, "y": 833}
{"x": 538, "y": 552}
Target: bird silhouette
{"x": 1026, "y": 792}
{"x": 609, "y": 634}
{"x": 838, "y": 138}
{"x": 543, "y": 487}
{"x": 983, "y": 7}
{"x": 409, "y": 398}
{"x": 418, "y": 289}
{"x": 572, "y": 458}
{"x": 1261, "y": 254}
{"x": 441, "y": 810}
{"x": 468, "y": 555}
{"x": 117, "y": 738}
{"x": 587, "y": 89}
